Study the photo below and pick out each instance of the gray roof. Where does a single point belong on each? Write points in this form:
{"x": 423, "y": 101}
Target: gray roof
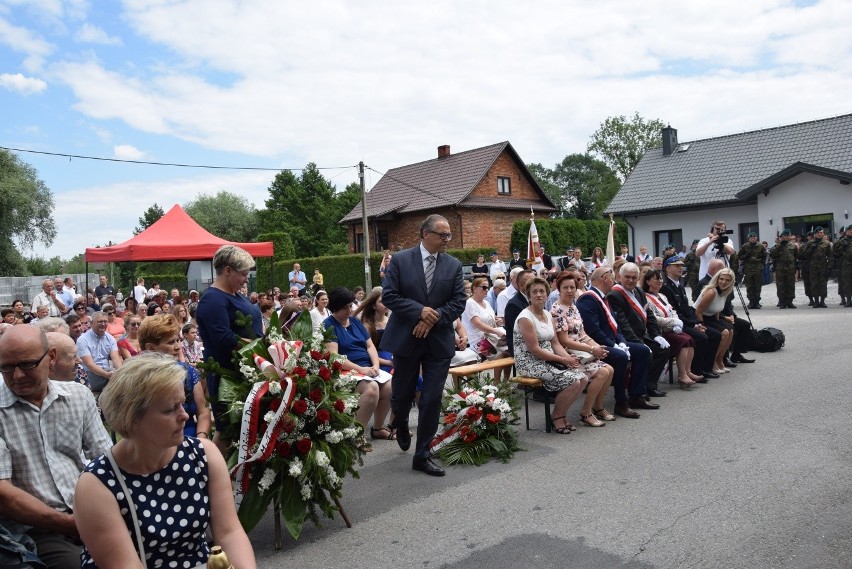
{"x": 443, "y": 182}
{"x": 732, "y": 169}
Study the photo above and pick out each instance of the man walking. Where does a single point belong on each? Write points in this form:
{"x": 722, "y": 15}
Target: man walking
{"x": 752, "y": 256}
{"x": 423, "y": 288}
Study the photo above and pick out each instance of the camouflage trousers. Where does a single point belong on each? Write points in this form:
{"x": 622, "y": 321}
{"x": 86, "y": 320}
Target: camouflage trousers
{"x": 785, "y": 284}
{"x": 819, "y": 281}
{"x": 753, "y": 281}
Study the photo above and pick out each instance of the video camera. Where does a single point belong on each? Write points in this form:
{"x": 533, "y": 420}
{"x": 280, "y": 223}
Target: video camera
{"x": 723, "y": 235}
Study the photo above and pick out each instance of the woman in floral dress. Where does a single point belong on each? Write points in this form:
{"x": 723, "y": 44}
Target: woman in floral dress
{"x": 539, "y": 354}
{"x": 569, "y": 329}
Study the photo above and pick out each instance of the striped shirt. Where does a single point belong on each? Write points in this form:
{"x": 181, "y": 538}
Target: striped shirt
{"x": 42, "y": 450}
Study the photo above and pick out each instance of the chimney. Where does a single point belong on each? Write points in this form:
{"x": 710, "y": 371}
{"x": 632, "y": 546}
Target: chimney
{"x": 669, "y": 140}
{"x": 443, "y": 151}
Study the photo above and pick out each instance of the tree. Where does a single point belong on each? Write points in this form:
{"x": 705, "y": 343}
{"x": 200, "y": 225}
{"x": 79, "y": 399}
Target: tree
{"x": 308, "y": 209}
{"x": 588, "y": 185}
{"x": 620, "y": 142}
{"x": 41, "y": 266}
{"x": 149, "y": 218}
{"x": 26, "y": 212}
{"x": 225, "y": 215}
{"x": 544, "y": 177}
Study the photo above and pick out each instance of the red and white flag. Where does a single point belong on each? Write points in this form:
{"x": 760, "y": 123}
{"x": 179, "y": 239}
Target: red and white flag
{"x": 533, "y": 257}
{"x": 610, "y": 242}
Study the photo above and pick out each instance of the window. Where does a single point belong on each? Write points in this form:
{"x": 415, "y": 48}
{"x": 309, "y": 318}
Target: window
{"x": 662, "y": 239}
{"x": 801, "y": 224}
{"x": 746, "y": 228}
{"x": 504, "y": 185}
{"x": 359, "y": 242}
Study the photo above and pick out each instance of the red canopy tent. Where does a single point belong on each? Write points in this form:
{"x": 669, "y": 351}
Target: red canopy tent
{"x": 173, "y": 237}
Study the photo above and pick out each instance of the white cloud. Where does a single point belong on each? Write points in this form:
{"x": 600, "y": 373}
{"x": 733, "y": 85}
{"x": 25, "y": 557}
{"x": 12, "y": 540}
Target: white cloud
{"x": 21, "y": 84}
{"x": 127, "y": 152}
{"x": 22, "y": 40}
{"x": 90, "y": 33}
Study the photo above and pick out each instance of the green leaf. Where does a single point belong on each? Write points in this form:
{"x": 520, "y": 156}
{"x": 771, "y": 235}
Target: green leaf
{"x": 254, "y": 506}
{"x": 293, "y": 508}
{"x": 303, "y": 327}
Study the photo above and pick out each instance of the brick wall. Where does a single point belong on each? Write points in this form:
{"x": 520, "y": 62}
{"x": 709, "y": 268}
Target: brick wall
{"x": 505, "y": 166}
{"x": 490, "y": 228}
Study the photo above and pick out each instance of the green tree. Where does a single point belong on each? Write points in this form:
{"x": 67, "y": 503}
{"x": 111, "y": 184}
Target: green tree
{"x": 621, "y": 142}
{"x": 26, "y": 213}
{"x": 225, "y": 215}
{"x": 544, "y": 177}
{"x": 149, "y": 218}
{"x": 587, "y": 185}
{"x": 40, "y": 266}
{"x": 308, "y": 209}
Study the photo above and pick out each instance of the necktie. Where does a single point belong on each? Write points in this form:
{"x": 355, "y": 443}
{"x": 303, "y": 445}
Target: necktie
{"x": 430, "y": 271}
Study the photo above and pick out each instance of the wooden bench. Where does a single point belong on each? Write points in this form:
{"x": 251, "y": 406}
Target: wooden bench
{"x": 529, "y": 385}
{"x": 467, "y": 370}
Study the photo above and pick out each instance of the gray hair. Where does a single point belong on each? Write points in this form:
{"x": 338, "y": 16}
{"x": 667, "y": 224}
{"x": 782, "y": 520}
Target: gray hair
{"x": 232, "y": 256}
{"x": 54, "y": 324}
{"x": 430, "y": 222}
{"x": 629, "y": 267}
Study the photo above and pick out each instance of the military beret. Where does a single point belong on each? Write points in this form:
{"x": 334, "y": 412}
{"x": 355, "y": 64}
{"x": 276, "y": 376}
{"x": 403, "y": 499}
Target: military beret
{"x": 785, "y": 233}
{"x": 751, "y": 234}
{"x": 818, "y": 229}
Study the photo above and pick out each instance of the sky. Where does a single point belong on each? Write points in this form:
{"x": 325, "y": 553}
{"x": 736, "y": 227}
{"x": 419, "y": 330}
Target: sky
{"x": 277, "y": 85}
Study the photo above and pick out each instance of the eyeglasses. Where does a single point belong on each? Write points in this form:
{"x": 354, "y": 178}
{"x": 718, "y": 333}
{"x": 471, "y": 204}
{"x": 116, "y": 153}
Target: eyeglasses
{"x": 23, "y": 366}
{"x": 79, "y": 308}
{"x": 483, "y": 287}
{"x": 109, "y": 311}
{"x": 443, "y": 236}
{"x": 135, "y": 324}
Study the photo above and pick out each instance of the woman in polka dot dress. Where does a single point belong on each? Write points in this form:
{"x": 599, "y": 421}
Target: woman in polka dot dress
{"x": 179, "y": 485}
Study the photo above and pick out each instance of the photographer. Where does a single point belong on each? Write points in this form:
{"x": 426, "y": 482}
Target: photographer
{"x": 717, "y": 244}
{"x": 784, "y": 255}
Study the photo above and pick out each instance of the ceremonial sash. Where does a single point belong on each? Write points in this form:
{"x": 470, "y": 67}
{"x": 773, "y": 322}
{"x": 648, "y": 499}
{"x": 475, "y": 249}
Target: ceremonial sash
{"x": 610, "y": 319}
{"x": 638, "y": 308}
{"x": 658, "y": 302}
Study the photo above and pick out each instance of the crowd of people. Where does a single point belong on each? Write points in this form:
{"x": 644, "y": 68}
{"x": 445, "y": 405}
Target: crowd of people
{"x": 581, "y": 326}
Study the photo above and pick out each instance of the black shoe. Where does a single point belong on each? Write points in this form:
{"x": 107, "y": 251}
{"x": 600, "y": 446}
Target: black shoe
{"x": 729, "y": 363}
{"x": 710, "y": 375}
{"x": 702, "y": 380}
{"x": 811, "y": 303}
{"x": 741, "y": 360}
{"x": 791, "y": 305}
{"x": 782, "y": 306}
{"x": 403, "y": 438}
{"x": 654, "y": 392}
{"x": 624, "y": 410}
{"x": 426, "y": 465}
{"x": 822, "y": 305}
{"x": 641, "y": 403}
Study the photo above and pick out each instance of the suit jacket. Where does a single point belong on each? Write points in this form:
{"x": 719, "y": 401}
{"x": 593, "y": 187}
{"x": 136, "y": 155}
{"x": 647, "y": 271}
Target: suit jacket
{"x": 404, "y": 293}
{"x": 595, "y": 321}
{"x": 548, "y": 261}
{"x": 630, "y": 323}
{"x": 676, "y": 293}
{"x": 513, "y": 308}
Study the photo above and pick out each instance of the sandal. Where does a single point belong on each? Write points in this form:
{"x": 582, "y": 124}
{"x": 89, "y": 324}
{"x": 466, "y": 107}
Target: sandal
{"x": 383, "y": 434}
{"x": 566, "y": 430}
{"x": 591, "y": 420}
{"x": 603, "y": 414}
{"x": 362, "y": 444}
{"x": 685, "y": 383}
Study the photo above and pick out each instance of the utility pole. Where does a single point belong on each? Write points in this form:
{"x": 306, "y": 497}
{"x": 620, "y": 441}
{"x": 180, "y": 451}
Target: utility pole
{"x": 364, "y": 230}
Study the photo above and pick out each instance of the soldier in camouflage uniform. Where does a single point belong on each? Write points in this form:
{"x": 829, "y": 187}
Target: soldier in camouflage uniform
{"x": 843, "y": 254}
{"x": 692, "y": 264}
{"x": 805, "y": 267}
{"x": 837, "y": 252}
{"x": 818, "y": 253}
{"x": 784, "y": 255}
{"x": 752, "y": 256}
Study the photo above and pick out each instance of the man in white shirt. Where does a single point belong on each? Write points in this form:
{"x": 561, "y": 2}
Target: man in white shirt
{"x": 297, "y": 277}
{"x": 139, "y": 291}
{"x": 716, "y": 244}
{"x": 504, "y": 297}
{"x": 50, "y": 298}
{"x": 497, "y": 266}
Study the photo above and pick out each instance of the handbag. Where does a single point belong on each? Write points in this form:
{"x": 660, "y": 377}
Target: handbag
{"x": 557, "y": 365}
{"x": 584, "y": 357}
{"x": 140, "y": 543}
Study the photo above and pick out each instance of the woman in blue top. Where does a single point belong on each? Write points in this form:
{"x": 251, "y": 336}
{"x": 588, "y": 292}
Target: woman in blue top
{"x": 352, "y": 340}
{"x": 217, "y": 318}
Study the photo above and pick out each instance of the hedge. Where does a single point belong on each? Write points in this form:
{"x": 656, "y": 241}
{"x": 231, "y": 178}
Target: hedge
{"x": 557, "y": 234}
{"x": 344, "y": 270}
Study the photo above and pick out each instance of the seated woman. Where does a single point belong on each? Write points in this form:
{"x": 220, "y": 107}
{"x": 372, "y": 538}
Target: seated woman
{"x": 479, "y": 269}
{"x": 539, "y": 354}
{"x": 159, "y": 333}
{"x": 129, "y": 345}
{"x": 143, "y": 403}
{"x": 154, "y": 308}
{"x": 191, "y": 346}
{"x": 374, "y": 316}
{"x": 267, "y": 307}
{"x": 479, "y": 319}
{"x": 353, "y": 341}
{"x": 320, "y": 310}
{"x": 180, "y": 313}
{"x": 20, "y": 314}
{"x": 115, "y": 325}
{"x": 572, "y": 336}
{"x": 709, "y": 304}
{"x": 130, "y": 305}
{"x": 142, "y": 310}
{"x": 79, "y": 309}
{"x": 681, "y": 345}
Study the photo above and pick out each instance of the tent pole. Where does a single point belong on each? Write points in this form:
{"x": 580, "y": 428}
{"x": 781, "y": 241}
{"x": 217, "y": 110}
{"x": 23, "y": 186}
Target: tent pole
{"x": 86, "y": 292}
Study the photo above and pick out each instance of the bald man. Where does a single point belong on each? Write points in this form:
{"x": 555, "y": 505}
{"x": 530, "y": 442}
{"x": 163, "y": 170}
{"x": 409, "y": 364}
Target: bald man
{"x": 64, "y": 367}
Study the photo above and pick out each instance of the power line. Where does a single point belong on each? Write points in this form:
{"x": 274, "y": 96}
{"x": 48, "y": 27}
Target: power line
{"x": 147, "y": 163}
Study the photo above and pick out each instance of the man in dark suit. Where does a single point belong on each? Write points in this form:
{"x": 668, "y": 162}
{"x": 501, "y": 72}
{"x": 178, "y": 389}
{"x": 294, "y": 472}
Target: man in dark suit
{"x": 600, "y": 324}
{"x": 515, "y": 306}
{"x": 546, "y": 259}
{"x": 516, "y": 260}
{"x": 638, "y": 324}
{"x": 423, "y": 288}
{"x": 706, "y": 339}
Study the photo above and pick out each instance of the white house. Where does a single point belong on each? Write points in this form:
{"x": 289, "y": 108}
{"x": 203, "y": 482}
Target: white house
{"x": 795, "y": 177}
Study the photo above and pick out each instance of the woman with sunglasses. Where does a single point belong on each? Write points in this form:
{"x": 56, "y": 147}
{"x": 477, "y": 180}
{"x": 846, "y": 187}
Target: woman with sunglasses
{"x": 129, "y": 346}
{"x": 115, "y": 326}
{"x": 479, "y": 320}
{"x": 82, "y": 313}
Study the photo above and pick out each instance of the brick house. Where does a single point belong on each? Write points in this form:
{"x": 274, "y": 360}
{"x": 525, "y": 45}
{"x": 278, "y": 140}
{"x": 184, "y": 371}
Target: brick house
{"x": 481, "y": 192}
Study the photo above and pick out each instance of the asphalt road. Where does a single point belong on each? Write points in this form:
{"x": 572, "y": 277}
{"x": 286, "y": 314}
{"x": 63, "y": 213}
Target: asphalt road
{"x": 750, "y": 470}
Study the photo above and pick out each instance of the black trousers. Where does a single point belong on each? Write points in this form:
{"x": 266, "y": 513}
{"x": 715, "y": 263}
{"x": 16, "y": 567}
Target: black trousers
{"x": 706, "y": 345}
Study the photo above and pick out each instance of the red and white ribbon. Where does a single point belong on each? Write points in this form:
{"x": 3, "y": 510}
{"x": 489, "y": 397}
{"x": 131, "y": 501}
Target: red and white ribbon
{"x": 631, "y": 299}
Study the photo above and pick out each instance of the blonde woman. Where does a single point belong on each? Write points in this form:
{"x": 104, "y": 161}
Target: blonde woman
{"x": 708, "y": 308}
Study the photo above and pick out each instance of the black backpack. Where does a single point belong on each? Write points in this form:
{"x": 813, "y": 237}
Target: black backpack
{"x": 767, "y": 340}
